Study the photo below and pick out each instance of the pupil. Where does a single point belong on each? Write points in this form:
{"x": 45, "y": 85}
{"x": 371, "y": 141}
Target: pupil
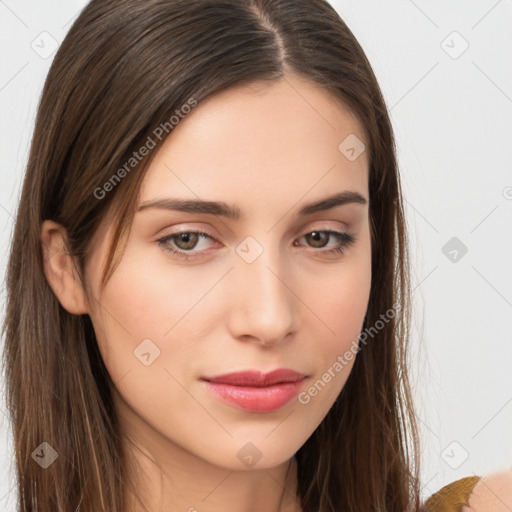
{"x": 187, "y": 239}
{"x": 317, "y": 237}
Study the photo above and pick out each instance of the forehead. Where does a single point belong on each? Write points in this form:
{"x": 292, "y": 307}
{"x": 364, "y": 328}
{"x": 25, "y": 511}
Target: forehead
{"x": 278, "y": 141}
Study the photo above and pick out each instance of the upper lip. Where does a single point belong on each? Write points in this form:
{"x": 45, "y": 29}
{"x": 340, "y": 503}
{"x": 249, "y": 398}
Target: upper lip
{"x": 257, "y": 378}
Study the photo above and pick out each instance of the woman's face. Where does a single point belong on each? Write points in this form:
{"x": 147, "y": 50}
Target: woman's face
{"x": 264, "y": 289}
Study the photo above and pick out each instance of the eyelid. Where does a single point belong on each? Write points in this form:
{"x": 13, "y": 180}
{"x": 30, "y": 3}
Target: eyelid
{"x": 205, "y": 226}
{"x": 186, "y": 228}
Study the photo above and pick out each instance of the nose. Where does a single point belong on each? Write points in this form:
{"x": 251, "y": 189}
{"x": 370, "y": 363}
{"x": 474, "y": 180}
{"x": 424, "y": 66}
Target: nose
{"x": 263, "y": 305}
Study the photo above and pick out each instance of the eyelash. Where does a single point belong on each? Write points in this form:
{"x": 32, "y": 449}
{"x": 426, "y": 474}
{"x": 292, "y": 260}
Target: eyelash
{"x": 346, "y": 240}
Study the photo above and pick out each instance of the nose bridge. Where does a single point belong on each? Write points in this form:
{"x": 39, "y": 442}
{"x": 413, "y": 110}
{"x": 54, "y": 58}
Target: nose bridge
{"x": 264, "y": 307}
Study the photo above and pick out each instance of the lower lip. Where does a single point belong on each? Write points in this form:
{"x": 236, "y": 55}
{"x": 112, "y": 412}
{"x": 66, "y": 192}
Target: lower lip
{"x": 252, "y": 399}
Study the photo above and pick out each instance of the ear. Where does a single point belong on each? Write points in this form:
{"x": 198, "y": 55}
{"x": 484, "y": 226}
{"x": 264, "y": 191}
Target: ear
{"x": 60, "y": 270}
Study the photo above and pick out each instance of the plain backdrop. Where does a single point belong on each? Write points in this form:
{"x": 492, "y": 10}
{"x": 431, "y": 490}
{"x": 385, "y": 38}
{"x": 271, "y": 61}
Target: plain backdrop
{"x": 444, "y": 68}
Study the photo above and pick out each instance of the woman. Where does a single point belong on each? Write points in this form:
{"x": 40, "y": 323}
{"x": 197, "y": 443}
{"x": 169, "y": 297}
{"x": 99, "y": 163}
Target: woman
{"x": 208, "y": 289}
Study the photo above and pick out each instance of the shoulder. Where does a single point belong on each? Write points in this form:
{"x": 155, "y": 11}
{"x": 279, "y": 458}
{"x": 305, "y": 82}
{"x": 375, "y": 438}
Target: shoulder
{"x": 488, "y": 493}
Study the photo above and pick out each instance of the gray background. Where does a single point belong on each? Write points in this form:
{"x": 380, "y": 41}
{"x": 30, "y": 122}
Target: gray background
{"x": 452, "y": 114}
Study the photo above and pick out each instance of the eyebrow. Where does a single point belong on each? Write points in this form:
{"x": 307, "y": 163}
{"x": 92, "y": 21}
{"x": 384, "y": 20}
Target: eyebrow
{"x": 224, "y": 210}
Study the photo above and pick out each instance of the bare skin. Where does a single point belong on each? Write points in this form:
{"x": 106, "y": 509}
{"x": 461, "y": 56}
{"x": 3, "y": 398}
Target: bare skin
{"x": 267, "y": 152}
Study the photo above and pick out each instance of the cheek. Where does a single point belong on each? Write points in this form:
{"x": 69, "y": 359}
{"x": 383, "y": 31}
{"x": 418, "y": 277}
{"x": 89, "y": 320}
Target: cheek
{"x": 340, "y": 298}
{"x": 133, "y": 307}
{"x": 150, "y": 306}
{"x": 146, "y": 348}
{"x": 340, "y": 304}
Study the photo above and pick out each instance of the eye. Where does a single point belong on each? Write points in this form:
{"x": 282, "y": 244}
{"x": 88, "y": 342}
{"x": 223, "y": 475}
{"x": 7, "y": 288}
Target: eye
{"x": 318, "y": 239}
{"x": 188, "y": 243}
{"x": 180, "y": 244}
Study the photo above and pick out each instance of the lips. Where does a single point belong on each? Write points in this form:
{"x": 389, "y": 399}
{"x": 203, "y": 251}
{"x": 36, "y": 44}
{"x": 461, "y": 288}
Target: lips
{"x": 256, "y": 378}
{"x": 255, "y": 391}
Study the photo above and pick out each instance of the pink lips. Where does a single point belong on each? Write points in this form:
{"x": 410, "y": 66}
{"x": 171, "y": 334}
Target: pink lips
{"x": 255, "y": 391}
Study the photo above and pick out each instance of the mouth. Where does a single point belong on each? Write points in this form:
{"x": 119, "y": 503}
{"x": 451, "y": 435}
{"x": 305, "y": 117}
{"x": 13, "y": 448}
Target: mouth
{"x": 255, "y": 391}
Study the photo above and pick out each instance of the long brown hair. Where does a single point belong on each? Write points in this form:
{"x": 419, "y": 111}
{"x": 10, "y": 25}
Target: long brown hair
{"x": 123, "y": 70}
